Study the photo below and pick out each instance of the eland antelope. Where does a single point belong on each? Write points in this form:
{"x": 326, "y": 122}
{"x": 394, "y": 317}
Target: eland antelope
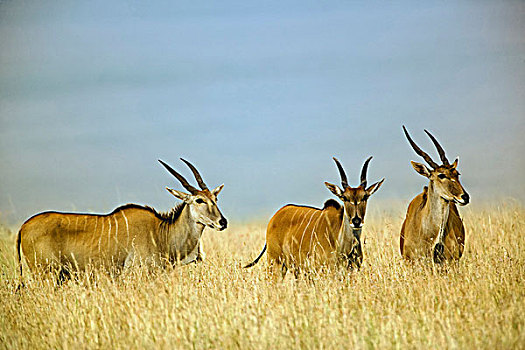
{"x": 298, "y": 235}
{"x": 433, "y": 227}
{"x": 56, "y": 241}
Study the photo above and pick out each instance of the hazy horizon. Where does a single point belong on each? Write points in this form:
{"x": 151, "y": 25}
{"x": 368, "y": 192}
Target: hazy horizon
{"x": 259, "y": 97}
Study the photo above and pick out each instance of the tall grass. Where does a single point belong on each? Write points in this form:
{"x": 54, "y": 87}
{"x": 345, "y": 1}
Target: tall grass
{"x": 476, "y": 303}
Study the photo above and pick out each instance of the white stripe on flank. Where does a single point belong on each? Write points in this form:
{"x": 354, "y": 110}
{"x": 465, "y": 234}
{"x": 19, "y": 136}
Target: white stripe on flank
{"x": 296, "y": 210}
{"x": 298, "y": 227}
{"x": 328, "y": 222}
{"x": 314, "y": 233}
{"x": 326, "y": 234}
{"x": 109, "y": 230}
{"x": 324, "y": 251}
{"x": 116, "y": 228}
{"x": 94, "y": 233}
{"x": 101, "y": 233}
{"x": 304, "y": 231}
{"x": 304, "y": 218}
{"x": 127, "y": 227}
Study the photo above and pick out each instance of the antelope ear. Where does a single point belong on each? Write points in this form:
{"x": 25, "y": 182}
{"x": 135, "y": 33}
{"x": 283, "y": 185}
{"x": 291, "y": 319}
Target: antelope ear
{"x": 334, "y": 189}
{"x": 180, "y": 195}
{"x": 455, "y": 164}
{"x": 373, "y": 188}
{"x": 217, "y": 190}
{"x": 421, "y": 169}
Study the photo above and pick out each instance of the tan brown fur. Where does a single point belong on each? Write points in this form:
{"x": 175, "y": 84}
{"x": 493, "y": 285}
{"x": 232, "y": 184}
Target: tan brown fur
{"x": 296, "y": 234}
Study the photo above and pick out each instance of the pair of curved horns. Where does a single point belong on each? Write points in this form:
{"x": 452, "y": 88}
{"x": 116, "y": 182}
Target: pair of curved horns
{"x": 183, "y": 181}
{"x": 424, "y": 155}
{"x": 344, "y": 180}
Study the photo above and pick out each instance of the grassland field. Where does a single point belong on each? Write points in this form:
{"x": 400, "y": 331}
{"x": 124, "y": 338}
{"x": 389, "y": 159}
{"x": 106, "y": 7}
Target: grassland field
{"x": 477, "y": 303}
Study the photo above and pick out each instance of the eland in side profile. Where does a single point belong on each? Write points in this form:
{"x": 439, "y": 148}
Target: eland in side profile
{"x": 66, "y": 242}
{"x": 298, "y": 235}
{"x": 433, "y": 228}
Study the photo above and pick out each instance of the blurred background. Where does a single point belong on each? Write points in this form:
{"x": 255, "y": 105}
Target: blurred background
{"x": 258, "y": 95}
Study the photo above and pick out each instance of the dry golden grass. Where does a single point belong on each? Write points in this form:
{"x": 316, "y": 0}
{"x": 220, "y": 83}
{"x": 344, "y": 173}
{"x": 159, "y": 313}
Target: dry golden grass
{"x": 477, "y": 303}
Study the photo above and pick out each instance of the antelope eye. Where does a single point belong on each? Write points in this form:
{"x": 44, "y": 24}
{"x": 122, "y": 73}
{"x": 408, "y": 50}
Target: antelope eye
{"x": 199, "y": 201}
{"x": 442, "y": 176}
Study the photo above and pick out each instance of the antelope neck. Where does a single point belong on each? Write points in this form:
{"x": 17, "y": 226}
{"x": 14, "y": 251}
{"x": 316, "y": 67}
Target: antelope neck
{"x": 183, "y": 235}
{"x": 438, "y": 210}
{"x": 347, "y": 235}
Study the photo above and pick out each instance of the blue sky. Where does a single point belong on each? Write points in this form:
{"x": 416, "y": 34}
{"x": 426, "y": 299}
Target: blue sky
{"x": 258, "y": 96}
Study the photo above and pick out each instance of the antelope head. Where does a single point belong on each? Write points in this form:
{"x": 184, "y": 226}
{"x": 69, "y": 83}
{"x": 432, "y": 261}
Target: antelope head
{"x": 354, "y": 201}
{"x": 354, "y": 198}
{"x": 444, "y": 178}
{"x": 202, "y": 203}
